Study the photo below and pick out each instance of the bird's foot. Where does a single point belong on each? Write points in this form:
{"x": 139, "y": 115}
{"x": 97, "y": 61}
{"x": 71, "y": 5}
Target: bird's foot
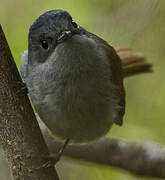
{"x": 54, "y": 159}
{"x": 51, "y": 162}
{"x": 22, "y": 89}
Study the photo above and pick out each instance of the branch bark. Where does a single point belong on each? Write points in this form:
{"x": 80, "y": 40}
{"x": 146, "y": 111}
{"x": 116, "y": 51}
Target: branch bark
{"x": 142, "y": 159}
{"x": 20, "y": 135}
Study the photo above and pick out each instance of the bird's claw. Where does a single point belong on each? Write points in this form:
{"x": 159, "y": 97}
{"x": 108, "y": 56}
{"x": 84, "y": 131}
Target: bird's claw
{"x": 23, "y": 89}
{"x": 52, "y": 162}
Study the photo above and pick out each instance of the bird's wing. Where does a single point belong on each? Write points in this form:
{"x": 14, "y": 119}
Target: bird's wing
{"x": 116, "y": 78}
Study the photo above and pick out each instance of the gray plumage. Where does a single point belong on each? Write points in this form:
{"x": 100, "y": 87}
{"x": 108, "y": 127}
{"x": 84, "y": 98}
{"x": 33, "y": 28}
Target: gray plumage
{"x": 70, "y": 80}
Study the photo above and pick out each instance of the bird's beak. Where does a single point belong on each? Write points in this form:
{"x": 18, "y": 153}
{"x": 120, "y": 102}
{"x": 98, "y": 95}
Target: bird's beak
{"x": 65, "y": 35}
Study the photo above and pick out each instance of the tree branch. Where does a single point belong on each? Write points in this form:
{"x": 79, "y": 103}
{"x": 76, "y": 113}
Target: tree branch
{"x": 142, "y": 159}
{"x": 20, "y": 135}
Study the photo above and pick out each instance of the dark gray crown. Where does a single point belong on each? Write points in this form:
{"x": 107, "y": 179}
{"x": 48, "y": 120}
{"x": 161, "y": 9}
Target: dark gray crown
{"x": 50, "y": 19}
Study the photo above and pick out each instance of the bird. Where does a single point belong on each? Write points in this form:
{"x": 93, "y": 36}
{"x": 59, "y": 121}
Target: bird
{"x": 74, "y": 79}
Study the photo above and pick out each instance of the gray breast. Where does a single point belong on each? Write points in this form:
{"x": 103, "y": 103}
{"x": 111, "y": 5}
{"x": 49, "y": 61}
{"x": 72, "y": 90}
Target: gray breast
{"x": 71, "y": 91}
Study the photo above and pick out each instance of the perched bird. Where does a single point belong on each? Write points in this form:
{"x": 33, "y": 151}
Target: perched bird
{"x": 74, "y": 78}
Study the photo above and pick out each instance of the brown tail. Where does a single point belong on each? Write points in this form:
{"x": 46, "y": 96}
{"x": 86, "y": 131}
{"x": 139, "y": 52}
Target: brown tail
{"x": 133, "y": 63}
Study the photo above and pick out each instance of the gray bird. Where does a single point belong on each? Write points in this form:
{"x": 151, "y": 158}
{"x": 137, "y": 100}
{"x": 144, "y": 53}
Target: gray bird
{"x": 74, "y": 78}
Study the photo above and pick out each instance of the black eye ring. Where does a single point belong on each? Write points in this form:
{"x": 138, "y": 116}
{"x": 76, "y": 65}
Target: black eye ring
{"x": 45, "y": 44}
{"x": 74, "y": 24}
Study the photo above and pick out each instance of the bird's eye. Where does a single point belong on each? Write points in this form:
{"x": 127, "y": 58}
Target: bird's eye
{"x": 45, "y": 44}
{"x": 74, "y": 24}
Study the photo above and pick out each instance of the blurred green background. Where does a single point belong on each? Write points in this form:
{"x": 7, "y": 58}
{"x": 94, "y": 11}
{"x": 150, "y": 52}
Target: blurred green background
{"x": 139, "y": 24}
